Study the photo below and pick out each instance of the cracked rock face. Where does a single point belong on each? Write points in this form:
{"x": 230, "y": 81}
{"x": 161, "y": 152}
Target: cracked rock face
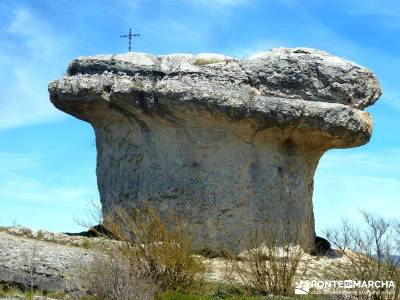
{"x": 43, "y": 266}
{"x": 230, "y": 144}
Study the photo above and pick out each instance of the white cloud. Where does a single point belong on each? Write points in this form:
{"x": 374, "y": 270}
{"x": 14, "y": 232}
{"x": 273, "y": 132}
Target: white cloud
{"x": 12, "y": 162}
{"x": 35, "y": 204}
{"x": 166, "y": 24}
{"x": 38, "y": 37}
{"x": 32, "y": 55}
{"x": 26, "y": 99}
{"x": 207, "y": 6}
{"x": 17, "y": 185}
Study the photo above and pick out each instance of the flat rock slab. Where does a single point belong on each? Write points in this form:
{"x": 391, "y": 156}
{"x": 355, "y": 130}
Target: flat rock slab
{"x": 230, "y": 144}
{"x": 43, "y": 265}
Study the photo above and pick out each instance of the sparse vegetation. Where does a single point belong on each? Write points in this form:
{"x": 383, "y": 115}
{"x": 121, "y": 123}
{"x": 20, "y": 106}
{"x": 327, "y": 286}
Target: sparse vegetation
{"x": 269, "y": 264}
{"x": 173, "y": 295}
{"x": 3, "y": 228}
{"x": 162, "y": 246}
{"x": 32, "y": 267}
{"x": 372, "y": 252}
{"x": 85, "y": 244}
{"x": 217, "y": 290}
{"x": 11, "y": 290}
{"x": 152, "y": 257}
{"x": 39, "y": 235}
{"x": 111, "y": 277}
{"x": 149, "y": 254}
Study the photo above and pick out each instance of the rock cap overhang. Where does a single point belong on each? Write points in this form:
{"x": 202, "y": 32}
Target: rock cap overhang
{"x": 300, "y": 88}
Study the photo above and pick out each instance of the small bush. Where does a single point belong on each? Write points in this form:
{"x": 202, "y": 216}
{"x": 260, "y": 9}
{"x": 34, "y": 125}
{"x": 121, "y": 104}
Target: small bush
{"x": 39, "y": 235}
{"x": 372, "y": 252}
{"x": 110, "y": 277}
{"x": 86, "y": 244}
{"x": 161, "y": 246}
{"x": 270, "y": 268}
{"x": 226, "y": 291}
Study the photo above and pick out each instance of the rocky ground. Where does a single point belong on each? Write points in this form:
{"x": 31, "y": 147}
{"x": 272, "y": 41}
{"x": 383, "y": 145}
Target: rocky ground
{"x": 42, "y": 260}
{"x": 53, "y": 261}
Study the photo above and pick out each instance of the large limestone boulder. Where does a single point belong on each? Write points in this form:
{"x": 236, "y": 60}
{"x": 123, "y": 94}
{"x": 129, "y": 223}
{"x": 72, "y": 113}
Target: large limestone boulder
{"x": 230, "y": 144}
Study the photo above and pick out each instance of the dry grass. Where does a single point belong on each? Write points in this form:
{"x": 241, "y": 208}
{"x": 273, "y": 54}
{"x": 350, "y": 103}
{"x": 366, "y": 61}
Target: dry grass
{"x": 3, "y": 228}
{"x": 110, "y": 277}
{"x": 270, "y": 268}
{"x": 12, "y": 291}
{"x": 159, "y": 245}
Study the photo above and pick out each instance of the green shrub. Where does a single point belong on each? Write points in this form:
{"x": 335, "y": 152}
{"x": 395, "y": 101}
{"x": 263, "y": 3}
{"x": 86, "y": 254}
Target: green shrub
{"x": 225, "y": 291}
{"x": 174, "y": 295}
{"x": 40, "y": 235}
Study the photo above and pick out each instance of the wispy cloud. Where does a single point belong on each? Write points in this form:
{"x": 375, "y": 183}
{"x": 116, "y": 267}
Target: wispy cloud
{"x": 36, "y": 36}
{"x": 219, "y": 4}
{"x": 40, "y": 37}
{"x": 349, "y": 181}
{"x": 26, "y": 190}
{"x": 208, "y": 4}
{"x": 34, "y": 54}
{"x": 368, "y": 162}
{"x": 29, "y": 197}
{"x": 383, "y": 12}
{"x": 256, "y": 47}
{"x": 317, "y": 32}
{"x": 13, "y": 162}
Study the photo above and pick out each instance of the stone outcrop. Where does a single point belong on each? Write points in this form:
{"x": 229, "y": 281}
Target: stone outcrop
{"x": 41, "y": 265}
{"x": 230, "y": 144}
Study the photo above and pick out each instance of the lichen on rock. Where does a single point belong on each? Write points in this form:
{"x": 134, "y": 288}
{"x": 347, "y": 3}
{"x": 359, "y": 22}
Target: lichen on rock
{"x": 232, "y": 145}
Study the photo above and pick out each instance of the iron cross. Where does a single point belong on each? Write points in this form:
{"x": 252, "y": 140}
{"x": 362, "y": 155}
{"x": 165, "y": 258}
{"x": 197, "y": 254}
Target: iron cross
{"x": 129, "y": 36}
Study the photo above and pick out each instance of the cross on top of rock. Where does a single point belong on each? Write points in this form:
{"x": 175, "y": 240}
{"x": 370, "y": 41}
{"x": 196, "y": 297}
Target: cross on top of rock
{"x": 129, "y": 36}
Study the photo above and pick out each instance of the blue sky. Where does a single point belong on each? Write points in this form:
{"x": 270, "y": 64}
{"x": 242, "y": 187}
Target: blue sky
{"x": 47, "y": 158}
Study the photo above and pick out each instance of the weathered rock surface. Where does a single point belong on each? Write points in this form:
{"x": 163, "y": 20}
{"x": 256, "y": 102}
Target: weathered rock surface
{"x": 51, "y": 266}
{"x": 43, "y": 265}
{"x": 230, "y": 144}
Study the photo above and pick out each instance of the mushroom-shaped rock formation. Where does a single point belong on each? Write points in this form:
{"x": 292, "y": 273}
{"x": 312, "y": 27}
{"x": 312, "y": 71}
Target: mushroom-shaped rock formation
{"x": 232, "y": 145}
